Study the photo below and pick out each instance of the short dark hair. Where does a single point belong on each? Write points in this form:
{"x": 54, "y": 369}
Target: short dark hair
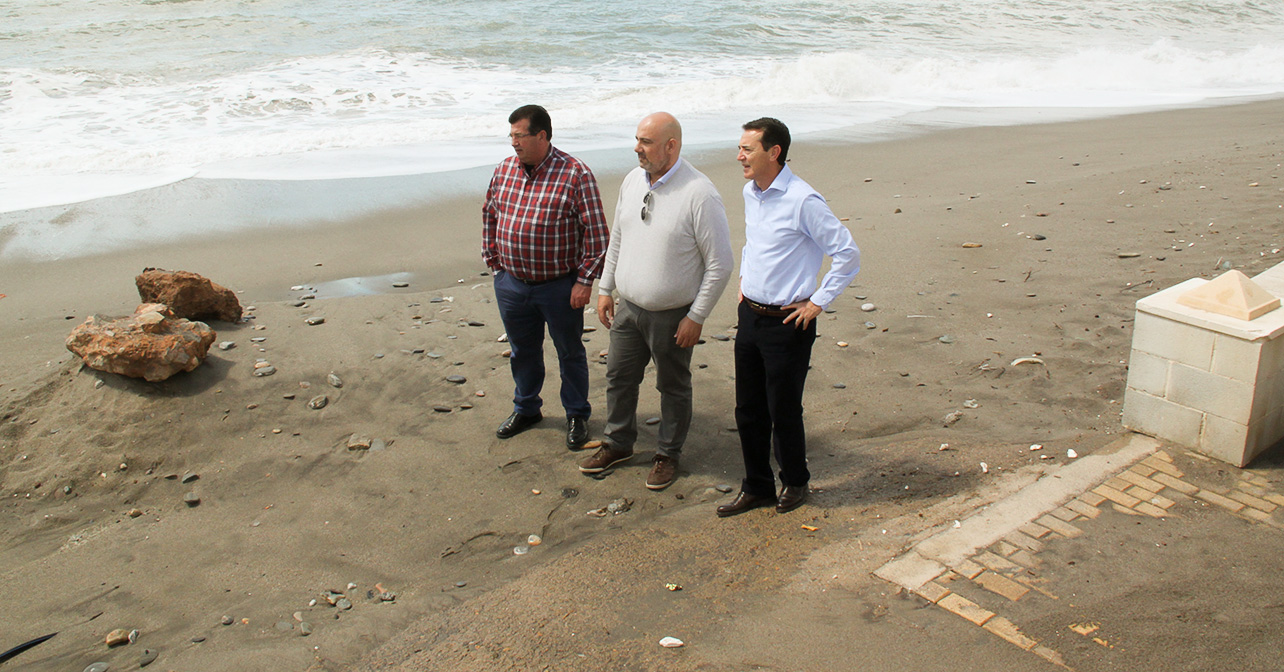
{"x": 538, "y": 118}
{"x": 774, "y": 134}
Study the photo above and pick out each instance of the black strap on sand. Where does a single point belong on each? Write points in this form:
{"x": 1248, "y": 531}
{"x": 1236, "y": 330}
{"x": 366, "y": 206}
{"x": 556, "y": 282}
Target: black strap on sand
{"x": 24, "y": 646}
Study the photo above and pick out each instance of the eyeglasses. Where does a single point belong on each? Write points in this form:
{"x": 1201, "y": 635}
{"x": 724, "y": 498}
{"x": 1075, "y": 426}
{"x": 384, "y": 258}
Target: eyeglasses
{"x": 519, "y": 136}
{"x": 648, "y": 202}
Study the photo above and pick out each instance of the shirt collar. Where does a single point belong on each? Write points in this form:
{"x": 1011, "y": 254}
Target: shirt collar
{"x": 666, "y": 176}
{"x": 778, "y": 184}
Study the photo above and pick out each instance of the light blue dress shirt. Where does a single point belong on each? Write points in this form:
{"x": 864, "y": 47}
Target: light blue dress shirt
{"x": 789, "y": 229}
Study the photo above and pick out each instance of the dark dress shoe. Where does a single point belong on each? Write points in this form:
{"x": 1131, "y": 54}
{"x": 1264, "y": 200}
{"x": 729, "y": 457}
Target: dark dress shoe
{"x": 744, "y": 502}
{"x": 576, "y": 433}
{"x": 516, "y": 424}
{"x": 791, "y": 497}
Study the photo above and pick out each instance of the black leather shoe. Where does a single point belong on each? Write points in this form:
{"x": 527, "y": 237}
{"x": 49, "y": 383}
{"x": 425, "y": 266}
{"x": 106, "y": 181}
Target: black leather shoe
{"x": 791, "y": 497}
{"x": 576, "y": 433}
{"x": 744, "y": 502}
{"x": 516, "y": 424}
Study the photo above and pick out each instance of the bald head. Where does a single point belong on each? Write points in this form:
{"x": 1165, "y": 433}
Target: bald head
{"x": 659, "y": 142}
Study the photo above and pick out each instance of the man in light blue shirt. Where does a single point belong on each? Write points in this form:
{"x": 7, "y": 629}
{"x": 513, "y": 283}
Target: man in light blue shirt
{"x": 789, "y": 229}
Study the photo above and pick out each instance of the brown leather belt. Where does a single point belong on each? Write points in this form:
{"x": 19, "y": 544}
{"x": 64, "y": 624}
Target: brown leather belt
{"x": 766, "y": 309}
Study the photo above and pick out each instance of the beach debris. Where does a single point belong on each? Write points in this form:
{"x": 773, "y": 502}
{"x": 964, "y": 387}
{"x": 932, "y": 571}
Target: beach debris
{"x": 117, "y": 637}
{"x": 871, "y": 325}
{"x": 1070, "y": 453}
{"x": 503, "y": 338}
{"x": 1031, "y": 182}
{"x": 1036, "y": 446}
{"x": 1027, "y": 360}
{"x": 314, "y": 321}
{"x": 842, "y": 344}
{"x": 671, "y": 642}
{"x": 868, "y": 307}
{"x": 810, "y": 528}
{"x": 985, "y": 468}
{"x": 359, "y": 442}
{"x": 944, "y": 447}
{"x": 1129, "y": 255}
{"x": 952, "y": 417}
{"x": 188, "y": 295}
{"x": 615, "y": 508}
{"x": 151, "y": 344}
{"x": 334, "y": 380}
{"x": 147, "y": 657}
{"x": 970, "y": 403}
{"x": 318, "y": 402}
{"x": 971, "y": 245}
{"x": 521, "y": 550}
{"x": 456, "y": 379}
{"x": 192, "y": 499}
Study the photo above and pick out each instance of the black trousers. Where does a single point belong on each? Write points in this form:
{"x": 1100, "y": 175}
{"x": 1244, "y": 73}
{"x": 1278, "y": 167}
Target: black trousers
{"x": 771, "y": 369}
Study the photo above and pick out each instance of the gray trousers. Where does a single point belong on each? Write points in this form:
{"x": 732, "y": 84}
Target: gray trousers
{"x": 639, "y": 337}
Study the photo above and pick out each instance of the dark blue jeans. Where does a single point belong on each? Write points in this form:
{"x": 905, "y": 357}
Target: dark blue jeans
{"x": 525, "y": 310}
{"x": 771, "y": 370}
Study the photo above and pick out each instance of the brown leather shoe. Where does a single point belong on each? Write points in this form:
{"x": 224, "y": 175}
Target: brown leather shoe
{"x": 744, "y": 502}
{"x": 791, "y": 497}
{"x": 663, "y": 470}
{"x": 606, "y": 457}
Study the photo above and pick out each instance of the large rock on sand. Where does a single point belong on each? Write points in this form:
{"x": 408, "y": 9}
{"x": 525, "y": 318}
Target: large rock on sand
{"x": 188, "y": 295}
{"x": 150, "y": 344}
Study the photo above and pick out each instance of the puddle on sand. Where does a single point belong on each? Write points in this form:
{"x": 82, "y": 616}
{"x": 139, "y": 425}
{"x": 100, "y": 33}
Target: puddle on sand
{"x": 362, "y": 286}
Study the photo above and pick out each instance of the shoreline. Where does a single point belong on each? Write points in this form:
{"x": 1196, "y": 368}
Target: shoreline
{"x": 288, "y": 511}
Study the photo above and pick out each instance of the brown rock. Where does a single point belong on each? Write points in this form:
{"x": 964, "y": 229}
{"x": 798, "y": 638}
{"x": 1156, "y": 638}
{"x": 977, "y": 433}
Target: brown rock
{"x": 117, "y": 637}
{"x": 150, "y": 344}
{"x": 189, "y": 295}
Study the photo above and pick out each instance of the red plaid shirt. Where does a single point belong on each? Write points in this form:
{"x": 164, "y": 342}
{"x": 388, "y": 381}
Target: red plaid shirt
{"x": 547, "y": 225}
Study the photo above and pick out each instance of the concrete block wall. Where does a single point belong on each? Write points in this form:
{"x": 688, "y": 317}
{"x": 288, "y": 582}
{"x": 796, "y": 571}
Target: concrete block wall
{"x": 1211, "y": 383}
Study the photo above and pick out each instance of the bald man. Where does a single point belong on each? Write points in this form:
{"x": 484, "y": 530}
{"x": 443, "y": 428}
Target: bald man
{"x": 669, "y": 260}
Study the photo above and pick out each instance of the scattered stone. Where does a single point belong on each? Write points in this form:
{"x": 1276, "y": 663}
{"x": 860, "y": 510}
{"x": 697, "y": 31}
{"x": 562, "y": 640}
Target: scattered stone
{"x": 314, "y": 321}
{"x": 723, "y": 488}
{"x": 460, "y": 584}
{"x": 868, "y": 307}
{"x": 534, "y": 540}
{"x": 191, "y": 499}
{"x": 188, "y": 295}
{"x": 971, "y": 245}
{"x": 475, "y": 323}
{"x": 117, "y": 637}
{"x": 98, "y": 667}
{"x": 442, "y": 409}
{"x": 842, "y": 344}
{"x": 343, "y": 603}
{"x": 400, "y": 285}
{"x": 570, "y": 493}
{"x": 151, "y": 344}
{"x": 589, "y": 329}
{"x": 134, "y": 513}
{"x": 226, "y": 345}
{"x": 378, "y": 444}
{"x": 198, "y": 639}
{"x": 952, "y": 417}
{"x": 264, "y": 371}
{"x": 227, "y": 620}
{"x": 652, "y": 421}
{"x": 305, "y": 629}
{"x": 133, "y": 636}
{"x": 840, "y": 386}
{"x": 1129, "y": 255}
{"x": 720, "y": 337}
{"x": 1039, "y": 236}
{"x": 188, "y": 477}
{"x": 521, "y": 550}
{"x": 318, "y": 402}
{"x": 456, "y": 379}
{"x": 1027, "y": 360}
{"x": 946, "y": 339}
{"x": 334, "y": 380}
{"x": 359, "y": 442}
{"x": 871, "y": 325}
{"x": 970, "y": 403}
{"x": 671, "y": 642}
{"x": 147, "y": 658}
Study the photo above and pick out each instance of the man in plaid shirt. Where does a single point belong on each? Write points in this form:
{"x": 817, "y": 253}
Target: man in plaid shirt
{"x": 544, "y": 236}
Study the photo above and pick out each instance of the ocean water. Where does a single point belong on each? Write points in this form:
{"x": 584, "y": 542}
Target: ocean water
{"x": 105, "y": 97}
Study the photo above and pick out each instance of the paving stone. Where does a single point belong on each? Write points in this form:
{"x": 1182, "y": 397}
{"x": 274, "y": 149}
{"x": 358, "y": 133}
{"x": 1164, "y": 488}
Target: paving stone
{"x": 1115, "y": 496}
{"x": 1025, "y": 559}
{"x": 996, "y": 563}
{"x": 1139, "y": 492}
{"x": 1002, "y": 585}
{"x": 1142, "y": 470}
{"x": 1161, "y": 501}
{"x": 1005, "y": 549}
{"x": 1092, "y": 499}
{"x": 1124, "y": 510}
{"x": 1274, "y": 499}
{"x": 1035, "y": 530}
{"x": 1059, "y": 526}
{"x": 1009, "y": 631}
{"x": 1163, "y": 455}
{"x": 1117, "y": 483}
{"x": 1082, "y": 508}
{"x": 1024, "y": 541}
{"x": 1163, "y": 466}
{"x": 1150, "y": 510}
{"x": 1176, "y": 484}
{"x": 1141, "y": 481}
{"x": 1224, "y": 502}
{"x": 961, "y": 606}
{"x": 969, "y": 569}
{"x": 1260, "y": 516}
{"x": 1064, "y": 513}
{"x": 1252, "y": 501}
{"x": 932, "y": 591}
{"x": 1050, "y": 655}
{"x": 1255, "y": 490}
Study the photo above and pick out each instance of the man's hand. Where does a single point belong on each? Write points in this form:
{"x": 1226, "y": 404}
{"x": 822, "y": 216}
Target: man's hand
{"x": 580, "y": 295}
{"x": 802, "y": 313}
{"x": 605, "y": 309}
{"x": 688, "y": 333}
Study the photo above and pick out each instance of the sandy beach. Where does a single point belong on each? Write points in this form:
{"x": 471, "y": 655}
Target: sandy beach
{"x": 980, "y": 246}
